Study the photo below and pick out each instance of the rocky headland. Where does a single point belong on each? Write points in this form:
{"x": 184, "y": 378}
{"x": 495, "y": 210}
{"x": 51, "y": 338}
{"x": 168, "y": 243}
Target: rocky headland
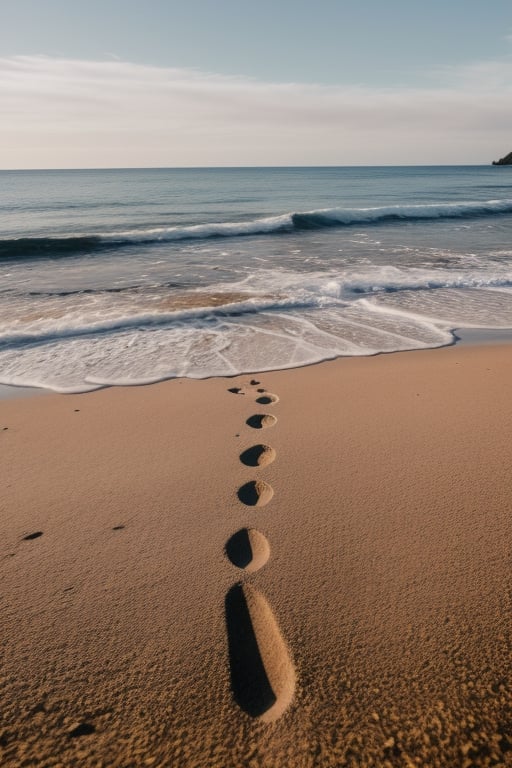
{"x": 507, "y": 160}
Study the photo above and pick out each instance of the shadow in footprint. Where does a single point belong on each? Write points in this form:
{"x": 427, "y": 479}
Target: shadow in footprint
{"x": 258, "y": 456}
{"x": 236, "y": 390}
{"x": 248, "y": 549}
{"x": 261, "y": 420}
{"x": 249, "y": 682}
{"x": 239, "y": 550}
{"x": 255, "y": 493}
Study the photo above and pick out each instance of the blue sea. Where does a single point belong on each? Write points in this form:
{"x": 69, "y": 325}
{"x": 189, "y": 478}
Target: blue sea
{"x": 120, "y": 277}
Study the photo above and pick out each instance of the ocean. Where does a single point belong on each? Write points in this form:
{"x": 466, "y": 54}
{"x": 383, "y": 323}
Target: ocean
{"x": 121, "y": 277}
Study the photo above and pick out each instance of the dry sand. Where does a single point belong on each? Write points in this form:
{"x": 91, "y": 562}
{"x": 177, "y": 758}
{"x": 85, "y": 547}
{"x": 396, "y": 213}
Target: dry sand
{"x": 373, "y": 627}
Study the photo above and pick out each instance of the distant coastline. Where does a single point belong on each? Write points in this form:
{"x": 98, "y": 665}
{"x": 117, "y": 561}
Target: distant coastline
{"x": 507, "y": 160}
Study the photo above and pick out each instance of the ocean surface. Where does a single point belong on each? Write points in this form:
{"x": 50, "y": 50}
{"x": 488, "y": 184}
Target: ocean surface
{"x": 119, "y": 277}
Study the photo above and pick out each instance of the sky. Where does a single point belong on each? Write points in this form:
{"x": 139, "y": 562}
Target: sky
{"x": 111, "y": 83}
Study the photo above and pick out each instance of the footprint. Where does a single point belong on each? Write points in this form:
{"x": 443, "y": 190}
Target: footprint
{"x": 83, "y": 729}
{"x": 236, "y": 390}
{"x": 248, "y": 549}
{"x": 267, "y": 399}
{"x": 256, "y": 493}
{"x": 262, "y": 673}
{"x": 31, "y": 536}
{"x": 254, "y": 383}
{"x": 261, "y": 420}
{"x": 258, "y": 456}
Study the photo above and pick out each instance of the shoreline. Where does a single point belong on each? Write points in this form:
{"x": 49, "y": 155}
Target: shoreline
{"x": 461, "y": 336}
{"x": 384, "y": 584}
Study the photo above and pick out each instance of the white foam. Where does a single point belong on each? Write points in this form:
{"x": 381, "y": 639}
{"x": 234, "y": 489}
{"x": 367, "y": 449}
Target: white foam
{"x": 261, "y": 226}
{"x": 80, "y": 343}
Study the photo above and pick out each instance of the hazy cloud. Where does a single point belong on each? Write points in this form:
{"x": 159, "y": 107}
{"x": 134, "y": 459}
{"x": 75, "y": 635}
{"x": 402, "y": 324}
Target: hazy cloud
{"x": 71, "y": 113}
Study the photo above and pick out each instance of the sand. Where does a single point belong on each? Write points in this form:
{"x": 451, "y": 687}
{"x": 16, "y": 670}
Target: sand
{"x": 361, "y": 617}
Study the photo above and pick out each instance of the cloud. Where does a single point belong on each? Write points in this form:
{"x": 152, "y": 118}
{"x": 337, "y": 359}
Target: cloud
{"x": 70, "y": 113}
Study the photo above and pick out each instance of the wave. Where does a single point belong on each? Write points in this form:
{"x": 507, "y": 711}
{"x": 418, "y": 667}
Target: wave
{"x": 123, "y": 289}
{"x": 54, "y": 247}
{"x": 23, "y": 248}
{"x": 309, "y": 293}
{"x": 156, "y": 320}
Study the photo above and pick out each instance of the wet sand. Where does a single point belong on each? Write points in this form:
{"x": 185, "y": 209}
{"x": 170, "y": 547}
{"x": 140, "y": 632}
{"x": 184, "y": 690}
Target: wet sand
{"x": 188, "y": 582}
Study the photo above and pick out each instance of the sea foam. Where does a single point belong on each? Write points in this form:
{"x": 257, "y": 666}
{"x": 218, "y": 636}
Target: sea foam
{"x": 80, "y": 343}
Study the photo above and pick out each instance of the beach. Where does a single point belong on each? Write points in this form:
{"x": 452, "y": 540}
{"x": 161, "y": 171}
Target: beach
{"x": 380, "y": 596}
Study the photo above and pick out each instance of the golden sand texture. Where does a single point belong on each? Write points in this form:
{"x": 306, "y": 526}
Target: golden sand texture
{"x": 380, "y": 623}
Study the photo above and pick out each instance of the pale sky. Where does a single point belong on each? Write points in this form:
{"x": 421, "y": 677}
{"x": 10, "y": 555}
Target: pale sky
{"x": 160, "y": 83}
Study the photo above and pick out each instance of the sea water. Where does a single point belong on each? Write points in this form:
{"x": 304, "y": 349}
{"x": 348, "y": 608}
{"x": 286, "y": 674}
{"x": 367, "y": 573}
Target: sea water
{"x": 132, "y": 276}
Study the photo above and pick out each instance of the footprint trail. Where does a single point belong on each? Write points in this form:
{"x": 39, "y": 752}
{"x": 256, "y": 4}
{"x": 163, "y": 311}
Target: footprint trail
{"x": 262, "y": 672}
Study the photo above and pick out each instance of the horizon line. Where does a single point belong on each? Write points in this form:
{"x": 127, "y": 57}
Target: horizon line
{"x": 246, "y": 167}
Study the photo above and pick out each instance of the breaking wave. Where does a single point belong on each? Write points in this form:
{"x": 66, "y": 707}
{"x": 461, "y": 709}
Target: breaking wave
{"x": 45, "y": 247}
